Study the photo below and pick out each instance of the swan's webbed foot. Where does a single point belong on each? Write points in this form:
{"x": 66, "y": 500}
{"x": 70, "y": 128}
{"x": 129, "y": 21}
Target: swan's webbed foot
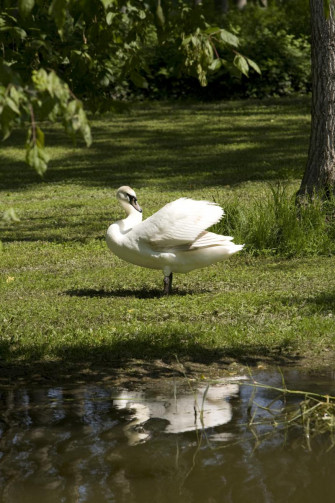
{"x": 167, "y": 284}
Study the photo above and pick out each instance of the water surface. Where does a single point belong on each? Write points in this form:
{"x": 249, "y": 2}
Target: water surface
{"x": 184, "y": 442}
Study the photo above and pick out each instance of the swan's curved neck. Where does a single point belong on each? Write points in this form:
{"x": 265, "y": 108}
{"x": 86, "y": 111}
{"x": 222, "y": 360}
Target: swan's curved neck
{"x": 133, "y": 216}
{"x": 132, "y": 219}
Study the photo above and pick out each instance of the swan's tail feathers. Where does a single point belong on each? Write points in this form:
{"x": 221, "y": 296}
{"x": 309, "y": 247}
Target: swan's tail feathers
{"x": 210, "y": 239}
{"x": 233, "y": 248}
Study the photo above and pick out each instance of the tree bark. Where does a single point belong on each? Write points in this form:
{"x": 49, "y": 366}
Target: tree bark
{"x": 320, "y": 169}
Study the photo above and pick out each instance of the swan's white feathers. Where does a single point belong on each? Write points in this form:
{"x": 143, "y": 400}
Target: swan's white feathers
{"x": 178, "y": 223}
{"x": 207, "y": 239}
{"x": 125, "y": 189}
{"x": 174, "y": 239}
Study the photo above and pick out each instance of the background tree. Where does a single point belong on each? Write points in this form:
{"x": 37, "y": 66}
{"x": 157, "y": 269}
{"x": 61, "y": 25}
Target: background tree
{"x": 320, "y": 170}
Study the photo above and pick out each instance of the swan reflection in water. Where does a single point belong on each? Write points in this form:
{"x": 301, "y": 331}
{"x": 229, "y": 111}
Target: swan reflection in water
{"x": 94, "y": 443}
{"x": 206, "y": 407}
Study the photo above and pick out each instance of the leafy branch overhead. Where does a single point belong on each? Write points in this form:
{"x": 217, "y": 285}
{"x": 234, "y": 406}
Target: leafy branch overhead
{"x": 61, "y": 56}
{"x": 201, "y": 51}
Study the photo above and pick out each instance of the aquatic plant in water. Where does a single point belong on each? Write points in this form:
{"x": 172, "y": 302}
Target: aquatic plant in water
{"x": 313, "y": 415}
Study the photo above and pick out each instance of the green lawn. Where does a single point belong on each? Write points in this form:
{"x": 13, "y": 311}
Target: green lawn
{"x": 64, "y": 297}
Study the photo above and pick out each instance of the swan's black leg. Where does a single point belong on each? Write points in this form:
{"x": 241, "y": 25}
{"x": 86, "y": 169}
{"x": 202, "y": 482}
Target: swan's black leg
{"x": 167, "y": 284}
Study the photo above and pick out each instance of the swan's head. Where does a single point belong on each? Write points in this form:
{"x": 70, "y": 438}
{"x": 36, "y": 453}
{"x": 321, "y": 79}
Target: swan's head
{"x": 128, "y": 200}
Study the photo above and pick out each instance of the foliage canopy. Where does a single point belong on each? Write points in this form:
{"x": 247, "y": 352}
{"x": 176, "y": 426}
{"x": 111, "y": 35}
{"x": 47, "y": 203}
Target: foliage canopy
{"x": 56, "y": 56}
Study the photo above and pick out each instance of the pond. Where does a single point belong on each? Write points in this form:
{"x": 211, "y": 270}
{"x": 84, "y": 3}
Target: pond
{"x": 183, "y": 441}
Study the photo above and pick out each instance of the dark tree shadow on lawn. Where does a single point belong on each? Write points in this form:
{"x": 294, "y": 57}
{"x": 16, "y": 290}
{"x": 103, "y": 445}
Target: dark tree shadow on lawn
{"x": 191, "y": 154}
{"x": 198, "y": 152}
{"x": 133, "y": 361}
{"x": 325, "y": 299}
{"x": 322, "y": 302}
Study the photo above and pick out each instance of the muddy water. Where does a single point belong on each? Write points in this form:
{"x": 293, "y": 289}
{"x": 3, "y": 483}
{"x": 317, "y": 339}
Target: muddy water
{"x": 183, "y": 442}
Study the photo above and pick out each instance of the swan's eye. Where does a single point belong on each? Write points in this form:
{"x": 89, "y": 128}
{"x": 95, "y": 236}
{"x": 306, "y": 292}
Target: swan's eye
{"x": 132, "y": 199}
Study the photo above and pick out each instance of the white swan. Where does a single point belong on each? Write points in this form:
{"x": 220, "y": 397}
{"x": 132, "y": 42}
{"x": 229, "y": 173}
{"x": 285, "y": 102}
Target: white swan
{"x": 174, "y": 239}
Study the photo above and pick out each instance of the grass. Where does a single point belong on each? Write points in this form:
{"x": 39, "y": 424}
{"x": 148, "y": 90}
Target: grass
{"x": 65, "y": 298}
{"x": 274, "y": 224}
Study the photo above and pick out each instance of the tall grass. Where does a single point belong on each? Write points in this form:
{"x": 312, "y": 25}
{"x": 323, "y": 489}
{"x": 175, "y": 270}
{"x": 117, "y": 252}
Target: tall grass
{"x": 274, "y": 224}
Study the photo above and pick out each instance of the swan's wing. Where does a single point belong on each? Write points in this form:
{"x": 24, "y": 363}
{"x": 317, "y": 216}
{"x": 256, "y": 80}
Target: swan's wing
{"x": 209, "y": 239}
{"x": 178, "y": 223}
{"x": 204, "y": 240}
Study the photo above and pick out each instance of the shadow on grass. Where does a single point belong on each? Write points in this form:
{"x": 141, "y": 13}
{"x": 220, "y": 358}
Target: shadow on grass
{"x": 210, "y": 145}
{"x": 132, "y": 361}
{"x": 140, "y": 293}
{"x": 323, "y": 302}
{"x": 224, "y": 144}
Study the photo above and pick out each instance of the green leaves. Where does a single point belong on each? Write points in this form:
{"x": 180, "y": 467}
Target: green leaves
{"x": 201, "y": 50}
{"x": 69, "y": 109}
{"x": 75, "y": 120}
{"x": 228, "y": 38}
{"x": 243, "y": 64}
{"x": 25, "y": 7}
{"x": 58, "y": 10}
{"x": 160, "y": 14}
{"x": 222, "y": 36}
{"x": 97, "y": 49}
{"x": 36, "y": 156}
{"x": 215, "y": 65}
{"x": 199, "y": 55}
{"x": 9, "y": 26}
{"x": 108, "y": 3}
{"x": 254, "y": 66}
{"x": 138, "y": 80}
{"x": 65, "y": 105}
{"x": 110, "y": 17}
{"x": 12, "y": 100}
{"x": 47, "y": 97}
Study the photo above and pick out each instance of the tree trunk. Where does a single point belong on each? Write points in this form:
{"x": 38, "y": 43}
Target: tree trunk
{"x": 320, "y": 170}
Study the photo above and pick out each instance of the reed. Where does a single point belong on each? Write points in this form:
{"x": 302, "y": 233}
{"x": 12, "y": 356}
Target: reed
{"x": 313, "y": 416}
